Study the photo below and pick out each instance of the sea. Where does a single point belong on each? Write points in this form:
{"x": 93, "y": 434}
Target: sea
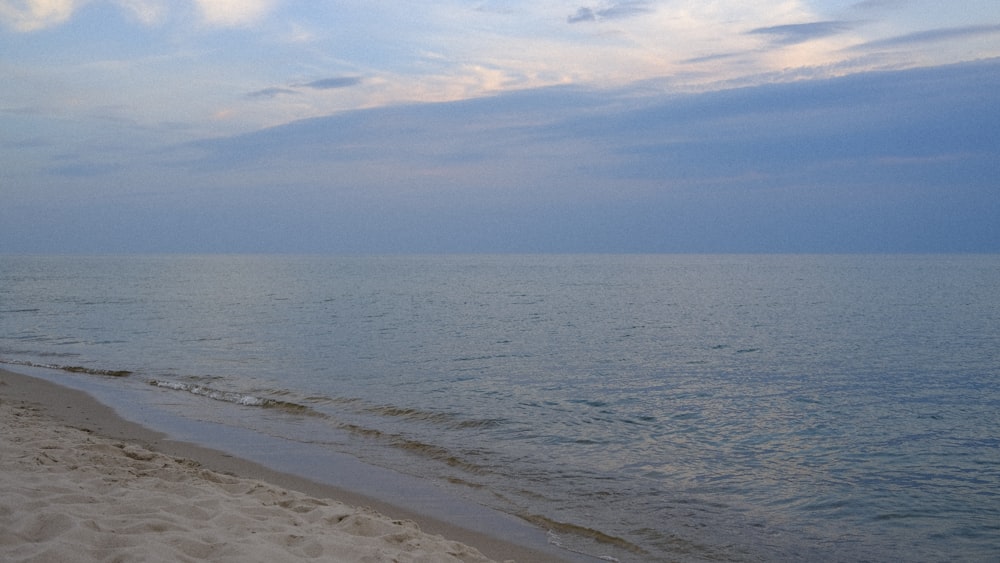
{"x": 632, "y": 407}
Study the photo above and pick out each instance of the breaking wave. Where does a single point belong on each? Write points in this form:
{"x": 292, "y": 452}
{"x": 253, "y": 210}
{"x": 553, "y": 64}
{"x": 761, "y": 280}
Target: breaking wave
{"x": 69, "y": 369}
{"x": 242, "y": 399}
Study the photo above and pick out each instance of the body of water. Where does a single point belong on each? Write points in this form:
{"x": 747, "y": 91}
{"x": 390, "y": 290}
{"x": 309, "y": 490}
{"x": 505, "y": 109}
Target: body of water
{"x": 691, "y": 408}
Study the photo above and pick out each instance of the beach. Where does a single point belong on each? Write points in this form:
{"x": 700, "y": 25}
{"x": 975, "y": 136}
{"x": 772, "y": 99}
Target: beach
{"x": 80, "y": 483}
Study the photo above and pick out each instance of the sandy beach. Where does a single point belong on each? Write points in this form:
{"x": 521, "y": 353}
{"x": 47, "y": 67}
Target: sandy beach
{"x": 79, "y": 483}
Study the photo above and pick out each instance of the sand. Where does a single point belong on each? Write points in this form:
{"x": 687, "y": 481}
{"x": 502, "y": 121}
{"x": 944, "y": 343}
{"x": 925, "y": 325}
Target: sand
{"x": 79, "y": 484}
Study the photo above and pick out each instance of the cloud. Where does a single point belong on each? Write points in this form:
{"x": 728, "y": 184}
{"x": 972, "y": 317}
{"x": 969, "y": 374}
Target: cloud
{"x": 582, "y": 15}
{"x": 148, "y": 12}
{"x": 33, "y": 15}
{"x": 271, "y": 92}
{"x": 931, "y": 36}
{"x": 299, "y": 33}
{"x": 295, "y": 89}
{"x": 793, "y": 34}
{"x": 779, "y": 130}
{"x": 616, "y": 10}
{"x": 879, "y": 4}
{"x": 796, "y": 167}
{"x": 802, "y": 166}
{"x": 331, "y": 83}
{"x": 233, "y": 13}
{"x": 712, "y": 57}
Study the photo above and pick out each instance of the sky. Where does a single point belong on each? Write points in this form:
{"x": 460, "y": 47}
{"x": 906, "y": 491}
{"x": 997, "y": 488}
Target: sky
{"x": 281, "y": 126}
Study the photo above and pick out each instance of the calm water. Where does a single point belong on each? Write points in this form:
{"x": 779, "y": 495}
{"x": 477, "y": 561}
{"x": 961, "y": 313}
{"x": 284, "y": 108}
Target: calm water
{"x": 641, "y": 407}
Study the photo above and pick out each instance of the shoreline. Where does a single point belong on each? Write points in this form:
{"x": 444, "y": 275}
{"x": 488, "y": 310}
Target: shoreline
{"x": 75, "y": 412}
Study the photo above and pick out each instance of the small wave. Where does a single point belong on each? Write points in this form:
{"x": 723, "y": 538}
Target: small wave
{"x": 410, "y": 413}
{"x": 479, "y": 423}
{"x": 241, "y": 399}
{"x": 398, "y": 441}
{"x": 465, "y": 483}
{"x": 437, "y": 453}
{"x": 42, "y": 354}
{"x": 589, "y": 402}
{"x": 441, "y": 418}
{"x": 90, "y": 371}
{"x": 555, "y": 527}
{"x": 325, "y": 400}
{"x": 70, "y": 369}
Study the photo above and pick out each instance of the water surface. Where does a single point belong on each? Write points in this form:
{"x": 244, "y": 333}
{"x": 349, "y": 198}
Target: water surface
{"x": 690, "y": 408}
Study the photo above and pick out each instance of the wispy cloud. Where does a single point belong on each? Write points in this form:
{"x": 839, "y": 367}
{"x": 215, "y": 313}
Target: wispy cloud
{"x": 33, "y": 15}
{"x": 932, "y": 36}
{"x": 831, "y": 156}
{"x": 615, "y": 10}
{"x": 232, "y": 13}
{"x": 272, "y": 92}
{"x": 712, "y": 57}
{"x": 148, "y": 12}
{"x": 306, "y": 62}
{"x": 332, "y": 83}
{"x": 792, "y": 34}
{"x": 879, "y": 4}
